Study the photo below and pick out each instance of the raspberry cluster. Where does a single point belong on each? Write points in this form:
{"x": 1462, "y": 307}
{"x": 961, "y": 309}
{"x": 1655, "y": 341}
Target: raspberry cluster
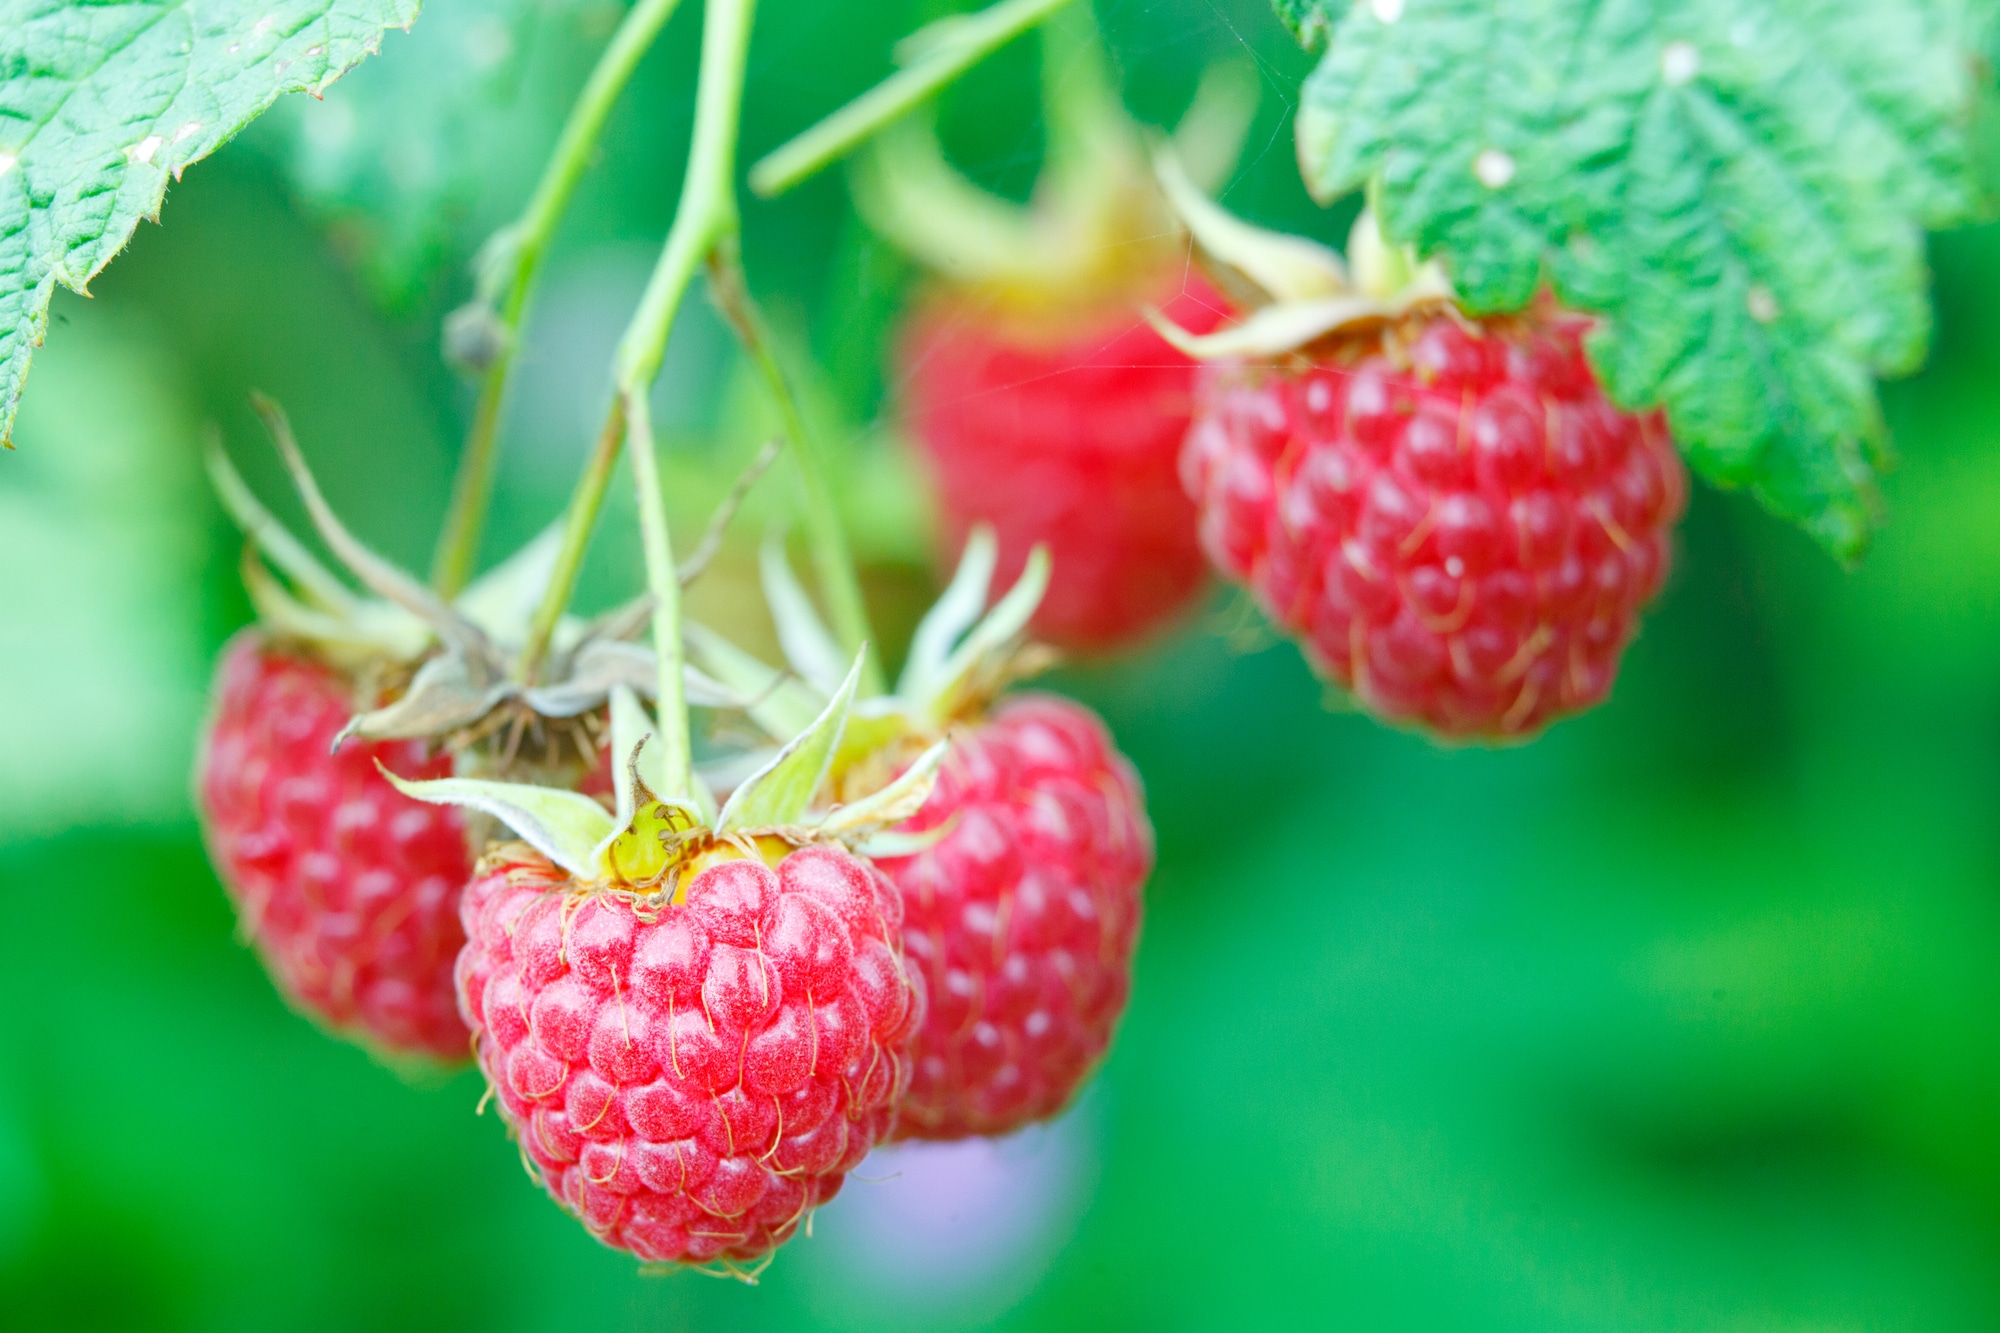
{"x": 1022, "y": 918}
{"x": 1455, "y": 520}
{"x": 347, "y": 888}
{"x": 691, "y": 1081}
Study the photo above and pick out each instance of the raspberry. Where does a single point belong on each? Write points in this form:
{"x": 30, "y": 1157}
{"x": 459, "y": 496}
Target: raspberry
{"x": 1065, "y": 432}
{"x": 1458, "y": 524}
{"x": 348, "y": 888}
{"x": 1022, "y": 919}
{"x": 691, "y": 1079}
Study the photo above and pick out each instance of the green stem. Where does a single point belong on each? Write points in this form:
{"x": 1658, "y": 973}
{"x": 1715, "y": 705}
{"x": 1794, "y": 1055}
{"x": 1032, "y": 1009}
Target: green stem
{"x": 664, "y": 582}
{"x": 707, "y": 211}
{"x": 578, "y": 523}
{"x": 958, "y": 44}
{"x": 520, "y": 250}
{"x": 705, "y": 216}
{"x": 833, "y": 561}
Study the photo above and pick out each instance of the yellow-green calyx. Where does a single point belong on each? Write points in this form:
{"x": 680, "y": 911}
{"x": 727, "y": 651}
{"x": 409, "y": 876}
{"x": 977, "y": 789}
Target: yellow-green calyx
{"x": 658, "y": 838}
{"x": 961, "y": 658}
{"x": 1306, "y": 291}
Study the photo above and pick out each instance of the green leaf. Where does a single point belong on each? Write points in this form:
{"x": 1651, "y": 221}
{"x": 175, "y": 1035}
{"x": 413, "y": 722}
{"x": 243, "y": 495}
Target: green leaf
{"x": 1738, "y": 187}
{"x": 101, "y": 104}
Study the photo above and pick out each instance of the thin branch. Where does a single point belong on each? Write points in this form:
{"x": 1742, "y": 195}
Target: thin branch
{"x": 697, "y": 561}
{"x": 507, "y": 270}
{"x": 942, "y": 52}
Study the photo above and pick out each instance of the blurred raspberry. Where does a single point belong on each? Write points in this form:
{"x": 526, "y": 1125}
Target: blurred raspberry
{"x": 1065, "y": 431}
{"x": 347, "y": 888}
{"x": 1022, "y": 919}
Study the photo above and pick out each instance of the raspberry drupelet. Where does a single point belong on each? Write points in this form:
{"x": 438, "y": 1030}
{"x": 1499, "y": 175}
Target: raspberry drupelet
{"x": 1457, "y": 523}
{"x": 347, "y": 888}
{"x": 691, "y": 1078}
{"x": 1022, "y": 918}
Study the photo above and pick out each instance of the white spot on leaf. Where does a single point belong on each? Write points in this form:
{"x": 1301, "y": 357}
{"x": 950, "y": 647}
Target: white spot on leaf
{"x": 1679, "y": 62}
{"x": 7, "y": 161}
{"x": 262, "y": 25}
{"x": 1388, "y": 11}
{"x": 1493, "y": 167}
{"x": 1762, "y": 305}
{"x": 191, "y": 128}
{"x": 143, "y": 150}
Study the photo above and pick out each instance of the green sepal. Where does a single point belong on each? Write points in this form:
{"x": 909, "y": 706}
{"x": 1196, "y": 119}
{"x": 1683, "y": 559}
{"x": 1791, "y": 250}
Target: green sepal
{"x": 956, "y": 610}
{"x": 1290, "y": 268}
{"x": 888, "y": 843}
{"x": 1312, "y": 291}
{"x": 504, "y": 599}
{"x": 565, "y": 826}
{"x": 774, "y": 698}
{"x": 809, "y": 645}
{"x": 969, "y": 665}
{"x": 779, "y": 794}
{"x": 893, "y": 804}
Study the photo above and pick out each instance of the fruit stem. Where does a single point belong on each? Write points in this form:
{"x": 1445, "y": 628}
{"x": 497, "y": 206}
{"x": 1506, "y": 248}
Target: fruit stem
{"x": 833, "y": 560}
{"x": 706, "y": 218}
{"x": 578, "y": 522}
{"x": 663, "y": 580}
{"x": 705, "y": 214}
{"x": 940, "y": 53}
{"x": 512, "y": 258}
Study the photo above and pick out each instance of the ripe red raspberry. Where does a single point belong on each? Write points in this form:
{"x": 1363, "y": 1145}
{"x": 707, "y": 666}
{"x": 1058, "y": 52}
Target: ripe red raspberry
{"x": 1455, "y": 520}
{"x": 1065, "y": 431}
{"x": 691, "y": 1080}
{"x": 1022, "y": 919}
{"x": 348, "y": 888}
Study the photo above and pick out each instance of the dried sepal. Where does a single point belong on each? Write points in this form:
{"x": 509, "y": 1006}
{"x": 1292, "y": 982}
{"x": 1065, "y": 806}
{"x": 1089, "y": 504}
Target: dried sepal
{"x": 271, "y": 537}
{"x": 379, "y": 575}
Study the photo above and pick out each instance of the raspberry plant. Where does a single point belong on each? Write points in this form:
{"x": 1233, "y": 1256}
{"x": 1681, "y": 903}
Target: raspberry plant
{"x": 1739, "y": 192}
{"x": 1592, "y": 234}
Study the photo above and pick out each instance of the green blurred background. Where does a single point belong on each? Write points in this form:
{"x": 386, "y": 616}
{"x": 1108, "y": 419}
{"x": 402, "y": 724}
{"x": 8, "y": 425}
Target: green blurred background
{"x": 1683, "y": 1017}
